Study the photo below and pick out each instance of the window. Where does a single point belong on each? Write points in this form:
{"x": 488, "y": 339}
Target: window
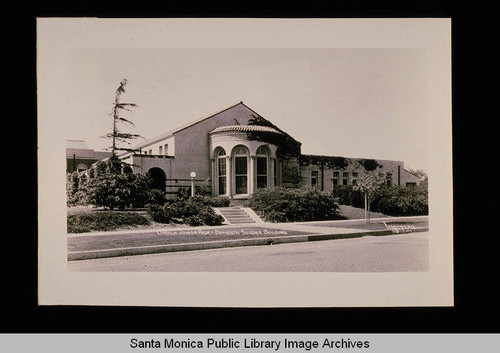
{"x": 261, "y": 167}
{"x": 241, "y": 170}
{"x": 345, "y": 178}
{"x": 388, "y": 179}
{"x": 160, "y": 150}
{"x": 314, "y": 177}
{"x": 354, "y": 178}
{"x": 335, "y": 179}
{"x": 221, "y": 171}
{"x": 150, "y": 152}
{"x": 166, "y": 149}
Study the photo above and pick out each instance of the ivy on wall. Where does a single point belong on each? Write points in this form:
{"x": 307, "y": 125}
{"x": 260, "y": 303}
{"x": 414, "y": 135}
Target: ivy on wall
{"x": 338, "y": 163}
{"x": 288, "y": 147}
{"x": 368, "y": 164}
{"x": 330, "y": 162}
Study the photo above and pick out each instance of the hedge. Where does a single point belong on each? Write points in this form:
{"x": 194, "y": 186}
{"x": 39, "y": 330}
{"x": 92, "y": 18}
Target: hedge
{"x": 294, "y": 205}
{"x": 104, "y": 221}
{"x": 397, "y": 201}
{"x": 194, "y": 211}
{"x": 391, "y": 201}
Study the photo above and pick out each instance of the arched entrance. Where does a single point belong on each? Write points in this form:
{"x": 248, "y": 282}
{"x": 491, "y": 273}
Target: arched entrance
{"x": 158, "y": 178}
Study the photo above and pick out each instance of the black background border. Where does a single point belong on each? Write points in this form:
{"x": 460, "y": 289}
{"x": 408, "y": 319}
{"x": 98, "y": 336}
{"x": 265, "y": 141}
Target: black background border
{"x": 474, "y": 279}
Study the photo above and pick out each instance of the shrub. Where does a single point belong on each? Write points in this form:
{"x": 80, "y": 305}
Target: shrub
{"x": 294, "y": 205}
{"x": 157, "y": 197}
{"x": 219, "y": 201}
{"x": 119, "y": 190}
{"x": 194, "y": 211}
{"x": 76, "y": 189}
{"x": 398, "y": 201}
{"x": 103, "y": 221}
{"x": 159, "y": 213}
{"x": 347, "y": 195}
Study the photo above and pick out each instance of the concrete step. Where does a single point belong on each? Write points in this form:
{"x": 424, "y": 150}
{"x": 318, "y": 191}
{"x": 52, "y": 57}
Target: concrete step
{"x": 235, "y": 215}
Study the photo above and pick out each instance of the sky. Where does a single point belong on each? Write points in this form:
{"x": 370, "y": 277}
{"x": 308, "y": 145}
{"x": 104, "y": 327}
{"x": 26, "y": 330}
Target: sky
{"x": 352, "y": 102}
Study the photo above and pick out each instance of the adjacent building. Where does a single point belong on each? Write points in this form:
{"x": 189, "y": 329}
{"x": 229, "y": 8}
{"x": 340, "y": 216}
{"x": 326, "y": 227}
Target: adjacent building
{"x": 79, "y": 157}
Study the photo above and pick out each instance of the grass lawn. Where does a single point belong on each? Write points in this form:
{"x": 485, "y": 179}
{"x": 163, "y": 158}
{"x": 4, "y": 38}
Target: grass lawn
{"x": 84, "y": 219}
{"x": 104, "y": 220}
{"x": 350, "y": 212}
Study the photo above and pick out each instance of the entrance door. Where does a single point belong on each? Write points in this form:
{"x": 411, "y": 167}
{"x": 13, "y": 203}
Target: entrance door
{"x": 158, "y": 178}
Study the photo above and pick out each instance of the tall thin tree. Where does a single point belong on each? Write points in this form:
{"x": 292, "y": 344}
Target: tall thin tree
{"x": 117, "y": 135}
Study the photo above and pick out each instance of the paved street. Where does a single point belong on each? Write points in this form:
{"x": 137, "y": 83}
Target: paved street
{"x": 391, "y": 253}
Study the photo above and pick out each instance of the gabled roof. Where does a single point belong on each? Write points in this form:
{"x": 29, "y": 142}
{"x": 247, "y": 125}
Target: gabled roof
{"x": 173, "y": 131}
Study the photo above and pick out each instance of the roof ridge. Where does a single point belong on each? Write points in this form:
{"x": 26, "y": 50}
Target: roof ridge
{"x": 173, "y": 131}
{"x": 207, "y": 117}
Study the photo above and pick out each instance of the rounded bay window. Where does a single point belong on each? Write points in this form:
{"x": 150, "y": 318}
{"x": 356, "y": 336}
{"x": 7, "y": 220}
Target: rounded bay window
{"x": 240, "y": 164}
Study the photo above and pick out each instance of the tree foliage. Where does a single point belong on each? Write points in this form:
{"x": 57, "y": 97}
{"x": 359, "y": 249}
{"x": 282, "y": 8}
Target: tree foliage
{"x": 116, "y": 135}
{"x": 288, "y": 147}
{"x": 368, "y": 165}
{"x": 110, "y": 187}
{"x": 368, "y": 185}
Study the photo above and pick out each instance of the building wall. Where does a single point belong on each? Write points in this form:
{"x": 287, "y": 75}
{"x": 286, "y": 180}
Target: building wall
{"x": 76, "y": 156}
{"x": 324, "y": 176}
{"x": 189, "y": 150}
{"x": 72, "y": 164}
{"x": 158, "y": 147}
{"x": 192, "y": 145}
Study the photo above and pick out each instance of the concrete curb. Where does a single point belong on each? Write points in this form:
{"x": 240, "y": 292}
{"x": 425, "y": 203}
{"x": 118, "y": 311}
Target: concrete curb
{"x": 217, "y": 244}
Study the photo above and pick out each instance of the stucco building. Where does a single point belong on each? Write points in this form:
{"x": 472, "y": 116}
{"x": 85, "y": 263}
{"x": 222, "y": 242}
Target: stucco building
{"x": 79, "y": 157}
{"x": 235, "y": 151}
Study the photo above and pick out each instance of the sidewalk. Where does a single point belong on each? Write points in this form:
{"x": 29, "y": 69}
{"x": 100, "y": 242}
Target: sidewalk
{"x": 148, "y": 241}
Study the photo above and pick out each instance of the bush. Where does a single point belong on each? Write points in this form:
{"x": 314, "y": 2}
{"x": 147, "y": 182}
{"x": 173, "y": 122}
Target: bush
{"x": 103, "y": 221}
{"x": 194, "y": 211}
{"x": 294, "y": 205}
{"x": 399, "y": 201}
{"x": 119, "y": 190}
{"x": 391, "y": 201}
{"x": 219, "y": 201}
{"x": 76, "y": 189}
{"x": 159, "y": 213}
{"x": 157, "y": 197}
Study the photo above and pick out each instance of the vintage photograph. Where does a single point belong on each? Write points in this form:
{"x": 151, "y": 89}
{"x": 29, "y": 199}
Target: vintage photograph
{"x": 245, "y": 159}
